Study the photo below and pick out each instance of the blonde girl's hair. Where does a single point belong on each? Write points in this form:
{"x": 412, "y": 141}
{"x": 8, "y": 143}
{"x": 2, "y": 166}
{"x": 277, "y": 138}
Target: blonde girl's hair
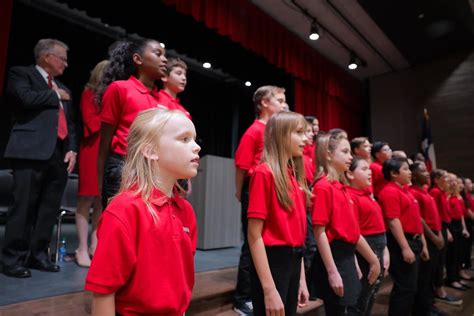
{"x": 277, "y": 155}
{"x": 139, "y": 173}
{"x": 96, "y": 75}
{"x": 327, "y": 144}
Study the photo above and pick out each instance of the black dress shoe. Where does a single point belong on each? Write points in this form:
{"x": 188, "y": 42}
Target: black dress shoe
{"x": 44, "y": 265}
{"x": 17, "y": 272}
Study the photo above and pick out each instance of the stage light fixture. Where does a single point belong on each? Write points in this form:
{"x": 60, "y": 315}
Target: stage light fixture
{"x": 206, "y": 65}
{"x": 248, "y": 83}
{"x": 314, "y": 31}
{"x": 353, "y": 62}
{"x": 162, "y": 45}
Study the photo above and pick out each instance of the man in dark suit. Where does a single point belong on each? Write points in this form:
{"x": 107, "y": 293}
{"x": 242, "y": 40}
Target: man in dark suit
{"x": 42, "y": 151}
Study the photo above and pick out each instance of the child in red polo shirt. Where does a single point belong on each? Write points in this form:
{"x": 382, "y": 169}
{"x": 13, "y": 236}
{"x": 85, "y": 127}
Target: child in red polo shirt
{"x": 405, "y": 238}
{"x": 308, "y": 154}
{"x": 147, "y": 234}
{"x": 334, "y": 276}
{"x": 372, "y": 227}
{"x": 174, "y": 82}
{"x": 128, "y": 87}
{"x": 439, "y": 186}
{"x": 468, "y": 218}
{"x": 380, "y": 152}
{"x": 277, "y": 219}
{"x": 361, "y": 148}
{"x": 268, "y": 100}
{"x": 309, "y": 168}
{"x": 434, "y": 239}
{"x": 457, "y": 227}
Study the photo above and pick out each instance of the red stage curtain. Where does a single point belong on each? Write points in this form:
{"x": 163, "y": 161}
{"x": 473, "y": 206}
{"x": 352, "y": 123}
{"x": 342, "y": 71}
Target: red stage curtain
{"x": 321, "y": 87}
{"x": 5, "y": 17}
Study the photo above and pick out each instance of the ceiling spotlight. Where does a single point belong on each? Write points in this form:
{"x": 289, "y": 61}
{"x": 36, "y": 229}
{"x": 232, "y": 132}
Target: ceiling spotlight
{"x": 353, "y": 62}
{"x": 248, "y": 83}
{"x": 206, "y": 65}
{"x": 162, "y": 45}
{"x": 314, "y": 31}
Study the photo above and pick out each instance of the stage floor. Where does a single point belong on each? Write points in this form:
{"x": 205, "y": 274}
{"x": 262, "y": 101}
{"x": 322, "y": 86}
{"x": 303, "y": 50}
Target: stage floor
{"x": 71, "y": 278}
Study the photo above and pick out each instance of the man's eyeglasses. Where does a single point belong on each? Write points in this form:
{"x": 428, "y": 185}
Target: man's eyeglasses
{"x": 64, "y": 59}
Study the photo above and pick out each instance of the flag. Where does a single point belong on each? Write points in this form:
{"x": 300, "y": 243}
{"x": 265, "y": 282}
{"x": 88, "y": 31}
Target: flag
{"x": 427, "y": 145}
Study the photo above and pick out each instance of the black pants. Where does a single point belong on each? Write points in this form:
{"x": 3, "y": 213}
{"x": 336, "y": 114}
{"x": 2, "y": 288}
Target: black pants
{"x": 310, "y": 243}
{"x": 453, "y": 255}
{"x": 438, "y": 280}
{"x": 404, "y": 276}
{"x": 112, "y": 177}
{"x": 343, "y": 255}
{"x": 242, "y": 291}
{"x": 467, "y": 244}
{"x": 38, "y": 189}
{"x": 368, "y": 293}
{"x": 426, "y": 271}
{"x": 285, "y": 266}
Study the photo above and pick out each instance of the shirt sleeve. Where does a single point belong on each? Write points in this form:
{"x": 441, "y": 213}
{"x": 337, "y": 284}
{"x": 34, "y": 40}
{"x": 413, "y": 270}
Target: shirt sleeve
{"x": 390, "y": 204}
{"x": 112, "y": 105}
{"x": 322, "y": 206}
{"x": 259, "y": 194}
{"x": 245, "y": 153}
{"x": 114, "y": 258}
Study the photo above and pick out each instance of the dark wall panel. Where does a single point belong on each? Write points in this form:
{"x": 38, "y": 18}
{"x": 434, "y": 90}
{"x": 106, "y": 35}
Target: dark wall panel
{"x": 446, "y": 89}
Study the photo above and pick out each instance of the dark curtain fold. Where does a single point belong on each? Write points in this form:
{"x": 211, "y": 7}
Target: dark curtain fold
{"x": 321, "y": 87}
{"x": 5, "y": 17}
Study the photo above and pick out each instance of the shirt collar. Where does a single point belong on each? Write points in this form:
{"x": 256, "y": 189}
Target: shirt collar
{"x": 141, "y": 87}
{"x": 358, "y": 192}
{"x": 169, "y": 96}
{"x": 158, "y": 198}
{"x": 42, "y": 72}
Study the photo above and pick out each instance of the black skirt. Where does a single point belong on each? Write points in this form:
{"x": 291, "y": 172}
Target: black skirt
{"x": 343, "y": 254}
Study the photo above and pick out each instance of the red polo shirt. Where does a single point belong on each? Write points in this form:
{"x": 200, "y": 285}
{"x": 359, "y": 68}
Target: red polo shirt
{"x": 308, "y": 168}
{"x": 148, "y": 265}
{"x": 282, "y": 227}
{"x": 456, "y": 208}
{"x": 333, "y": 208}
{"x": 398, "y": 202}
{"x": 378, "y": 181}
{"x": 170, "y": 103}
{"x": 121, "y": 103}
{"x": 369, "y": 212}
{"x": 442, "y": 204}
{"x": 428, "y": 209}
{"x": 249, "y": 151}
{"x": 471, "y": 205}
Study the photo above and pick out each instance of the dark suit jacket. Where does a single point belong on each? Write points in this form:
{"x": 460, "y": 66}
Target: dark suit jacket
{"x": 35, "y": 106}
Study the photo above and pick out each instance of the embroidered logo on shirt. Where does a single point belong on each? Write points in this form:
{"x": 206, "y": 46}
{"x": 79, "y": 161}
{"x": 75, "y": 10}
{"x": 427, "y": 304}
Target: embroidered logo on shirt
{"x": 186, "y": 230}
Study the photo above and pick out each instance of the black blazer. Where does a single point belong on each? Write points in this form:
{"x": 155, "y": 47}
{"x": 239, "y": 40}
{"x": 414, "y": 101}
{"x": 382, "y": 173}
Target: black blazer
{"x": 35, "y": 106}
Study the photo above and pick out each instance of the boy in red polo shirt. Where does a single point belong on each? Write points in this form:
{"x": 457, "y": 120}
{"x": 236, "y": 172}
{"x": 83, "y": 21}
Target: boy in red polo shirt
{"x": 268, "y": 100}
{"x": 144, "y": 263}
{"x": 380, "y": 152}
{"x": 174, "y": 82}
{"x": 361, "y": 148}
{"x": 434, "y": 239}
{"x": 405, "y": 238}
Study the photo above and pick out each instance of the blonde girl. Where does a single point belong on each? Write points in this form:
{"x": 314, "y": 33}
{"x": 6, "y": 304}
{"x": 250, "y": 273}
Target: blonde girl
{"x": 147, "y": 234}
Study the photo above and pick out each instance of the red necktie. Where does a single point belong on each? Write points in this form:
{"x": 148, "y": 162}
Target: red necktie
{"x": 62, "y": 123}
